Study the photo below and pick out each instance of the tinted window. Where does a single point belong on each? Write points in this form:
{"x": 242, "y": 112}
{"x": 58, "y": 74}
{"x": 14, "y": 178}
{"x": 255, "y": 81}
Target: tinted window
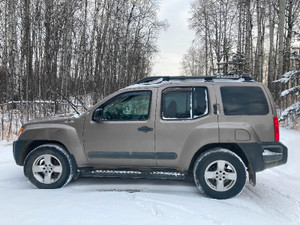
{"x": 184, "y": 103}
{"x": 200, "y": 102}
{"x": 129, "y": 106}
{"x": 244, "y": 101}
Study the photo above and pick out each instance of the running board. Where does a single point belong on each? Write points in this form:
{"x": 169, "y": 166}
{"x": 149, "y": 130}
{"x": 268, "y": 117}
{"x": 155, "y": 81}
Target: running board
{"x": 134, "y": 174}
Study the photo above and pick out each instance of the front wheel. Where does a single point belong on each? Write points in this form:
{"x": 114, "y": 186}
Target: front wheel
{"x": 220, "y": 173}
{"x": 48, "y": 166}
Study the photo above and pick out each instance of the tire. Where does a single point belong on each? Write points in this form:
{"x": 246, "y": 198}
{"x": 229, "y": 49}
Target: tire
{"x": 48, "y": 166}
{"x": 220, "y": 174}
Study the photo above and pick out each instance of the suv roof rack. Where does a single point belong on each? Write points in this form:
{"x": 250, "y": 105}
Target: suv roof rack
{"x": 159, "y": 79}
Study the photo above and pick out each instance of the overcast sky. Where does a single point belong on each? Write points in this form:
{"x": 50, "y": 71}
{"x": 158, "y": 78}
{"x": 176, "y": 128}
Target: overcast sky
{"x": 175, "y": 41}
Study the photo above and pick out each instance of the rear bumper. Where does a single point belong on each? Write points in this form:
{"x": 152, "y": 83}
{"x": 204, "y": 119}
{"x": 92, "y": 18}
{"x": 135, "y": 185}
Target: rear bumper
{"x": 265, "y": 155}
{"x": 274, "y": 155}
{"x": 19, "y": 147}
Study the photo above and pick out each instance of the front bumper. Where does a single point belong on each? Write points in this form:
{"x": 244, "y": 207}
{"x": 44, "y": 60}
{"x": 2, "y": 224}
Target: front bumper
{"x": 19, "y": 148}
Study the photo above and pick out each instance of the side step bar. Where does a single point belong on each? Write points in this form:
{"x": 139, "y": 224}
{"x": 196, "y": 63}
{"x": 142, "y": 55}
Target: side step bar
{"x": 134, "y": 174}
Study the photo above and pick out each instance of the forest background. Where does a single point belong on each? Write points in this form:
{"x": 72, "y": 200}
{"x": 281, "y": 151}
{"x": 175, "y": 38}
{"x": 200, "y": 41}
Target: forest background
{"x": 55, "y": 51}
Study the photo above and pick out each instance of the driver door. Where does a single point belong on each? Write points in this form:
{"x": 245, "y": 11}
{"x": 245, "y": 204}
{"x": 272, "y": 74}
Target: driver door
{"x": 124, "y": 136}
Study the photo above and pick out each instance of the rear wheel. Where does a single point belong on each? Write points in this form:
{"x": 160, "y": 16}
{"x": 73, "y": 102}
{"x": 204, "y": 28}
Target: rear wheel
{"x": 220, "y": 173}
{"x": 48, "y": 166}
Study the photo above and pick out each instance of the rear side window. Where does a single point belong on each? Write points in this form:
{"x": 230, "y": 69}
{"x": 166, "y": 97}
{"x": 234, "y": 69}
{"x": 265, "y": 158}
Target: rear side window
{"x": 184, "y": 103}
{"x": 244, "y": 101}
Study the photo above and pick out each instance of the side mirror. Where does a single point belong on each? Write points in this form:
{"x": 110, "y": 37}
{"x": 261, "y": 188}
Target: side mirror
{"x": 98, "y": 115}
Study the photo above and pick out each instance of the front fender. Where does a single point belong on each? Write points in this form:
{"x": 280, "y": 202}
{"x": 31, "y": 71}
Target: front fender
{"x": 65, "y": 134}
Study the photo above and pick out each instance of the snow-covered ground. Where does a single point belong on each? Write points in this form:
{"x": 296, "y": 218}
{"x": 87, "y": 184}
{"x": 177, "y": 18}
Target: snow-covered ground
{"x": 274, "y": 200}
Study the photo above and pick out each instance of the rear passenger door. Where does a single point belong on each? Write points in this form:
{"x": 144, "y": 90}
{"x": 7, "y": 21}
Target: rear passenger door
{"x": 184, "y": 122}
{"x": 245, "y": 113}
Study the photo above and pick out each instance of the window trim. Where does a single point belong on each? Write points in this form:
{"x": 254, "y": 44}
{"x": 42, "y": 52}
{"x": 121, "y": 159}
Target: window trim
{"x": 183, "y": 87}
{"x": 126, "y": 94}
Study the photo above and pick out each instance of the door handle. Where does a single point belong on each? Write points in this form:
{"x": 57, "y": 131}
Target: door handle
{"x": 216, "y": 109}
{"x": 145, "y": 129}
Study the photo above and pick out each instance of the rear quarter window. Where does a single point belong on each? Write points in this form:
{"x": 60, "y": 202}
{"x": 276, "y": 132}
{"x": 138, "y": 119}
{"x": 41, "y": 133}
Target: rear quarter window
{"x": 244, "y": 101}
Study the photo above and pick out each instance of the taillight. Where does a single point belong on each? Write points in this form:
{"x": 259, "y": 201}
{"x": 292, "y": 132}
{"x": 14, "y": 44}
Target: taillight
{"x": 20, "y": 131}
{"x": 276, "y": 128}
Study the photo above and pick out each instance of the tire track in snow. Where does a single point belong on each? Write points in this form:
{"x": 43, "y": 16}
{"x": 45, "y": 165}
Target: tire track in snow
{"x": 282, "y": 207}
{"x": 179, "y": 211}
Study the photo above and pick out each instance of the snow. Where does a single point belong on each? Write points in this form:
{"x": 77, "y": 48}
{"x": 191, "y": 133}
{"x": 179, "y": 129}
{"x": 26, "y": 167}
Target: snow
{"x": 269, "y": 153}
{"x": 294, "y": 108}
{"x": 290, "y": 90}
{"x": 275, "y": 199}
{"x": 288, "y": 76}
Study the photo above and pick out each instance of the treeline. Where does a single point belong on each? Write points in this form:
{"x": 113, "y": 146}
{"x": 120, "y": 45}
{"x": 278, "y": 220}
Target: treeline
{"x": 81, "y": 50}
{"x": 253, "y": 37}
{"x": 74, "y": 46}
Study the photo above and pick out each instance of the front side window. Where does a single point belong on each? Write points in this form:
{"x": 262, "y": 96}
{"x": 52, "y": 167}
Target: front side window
{"x": 244, "y": 101}
{"x": 184, "y": 103}
{"x": 130, "y": 106}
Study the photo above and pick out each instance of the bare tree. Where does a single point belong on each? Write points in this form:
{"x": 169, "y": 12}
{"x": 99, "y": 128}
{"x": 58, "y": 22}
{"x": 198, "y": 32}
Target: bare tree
{"x": 87, "y": 47}
{"x": 194, "y": 61}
